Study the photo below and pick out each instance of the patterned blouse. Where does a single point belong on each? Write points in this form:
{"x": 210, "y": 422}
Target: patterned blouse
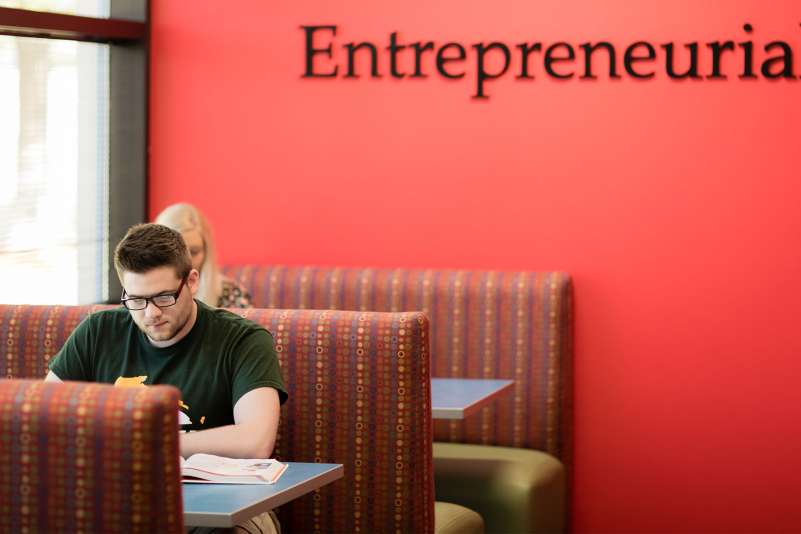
{"x": 233, "y": 295}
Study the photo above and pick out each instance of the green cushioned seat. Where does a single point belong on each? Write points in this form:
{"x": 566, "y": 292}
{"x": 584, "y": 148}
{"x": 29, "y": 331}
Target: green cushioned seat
{"x": 451, "y": 518}
{"x": 514, "y": 490}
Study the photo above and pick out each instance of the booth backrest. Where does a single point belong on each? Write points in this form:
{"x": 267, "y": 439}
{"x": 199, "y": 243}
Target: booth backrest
{"x": 31, "y": 335}
{"x": 359, "y": 395}
{"x": 78, "y": 457}
{"x": 484, "y": 324}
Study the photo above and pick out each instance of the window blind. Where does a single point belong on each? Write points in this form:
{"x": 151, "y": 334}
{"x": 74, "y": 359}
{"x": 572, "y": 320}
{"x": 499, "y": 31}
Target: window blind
{"x": 54, "y": 145}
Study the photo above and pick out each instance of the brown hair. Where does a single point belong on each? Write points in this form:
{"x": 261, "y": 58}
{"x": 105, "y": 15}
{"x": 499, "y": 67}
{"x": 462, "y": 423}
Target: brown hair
{"x": 150, "y": 246}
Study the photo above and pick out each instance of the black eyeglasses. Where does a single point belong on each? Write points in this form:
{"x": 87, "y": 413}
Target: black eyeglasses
{"x": 164, "y": 300}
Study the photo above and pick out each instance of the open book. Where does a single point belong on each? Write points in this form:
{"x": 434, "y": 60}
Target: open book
{"x": 220, "y": 470}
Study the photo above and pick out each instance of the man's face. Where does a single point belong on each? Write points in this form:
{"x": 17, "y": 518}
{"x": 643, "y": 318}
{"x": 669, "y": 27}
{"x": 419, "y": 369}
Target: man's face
{"x": 161, "y": 324}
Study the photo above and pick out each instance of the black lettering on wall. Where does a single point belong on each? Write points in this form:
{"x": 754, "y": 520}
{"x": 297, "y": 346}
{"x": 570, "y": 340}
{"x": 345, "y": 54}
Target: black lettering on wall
{"x": 393, "y": 49}
{"x": 717, "y": 51}
{"x": 629, "y": 59}
{"x": 525, "y": 51}
{"x": 493, "y": 60}
{"x": 481, "y": 73}
{"x": 311, "y": 52}
{"x": 786, "y": 59}
{"x": 692, "y": 70}
{"x": 551, "y": 58}
{"x": 352, "y": 48}
{"x": 588, "y": 51}
{"x": 748, "y": 54}
{"x": 442, "y": 59}
{"x": 418, "y": 53}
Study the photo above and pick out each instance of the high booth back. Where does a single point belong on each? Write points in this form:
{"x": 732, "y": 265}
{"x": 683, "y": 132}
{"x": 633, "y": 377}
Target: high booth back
{"x": 484, "y": 324}
{"x": 79, "y": 457}
{"x": 359, "y": 395}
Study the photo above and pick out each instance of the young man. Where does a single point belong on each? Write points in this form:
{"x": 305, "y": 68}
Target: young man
{"x": 226, "y": 367}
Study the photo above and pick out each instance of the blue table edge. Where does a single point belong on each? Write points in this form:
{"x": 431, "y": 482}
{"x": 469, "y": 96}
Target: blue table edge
{"x": 231, "y": 519}
{"x": 467, "y": 410}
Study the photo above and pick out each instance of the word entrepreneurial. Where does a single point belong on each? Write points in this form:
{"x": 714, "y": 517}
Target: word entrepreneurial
{"x": 559, "y": 60}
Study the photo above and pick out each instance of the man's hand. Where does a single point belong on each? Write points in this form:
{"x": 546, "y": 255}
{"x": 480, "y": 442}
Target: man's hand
{"x": 256, "y": 416}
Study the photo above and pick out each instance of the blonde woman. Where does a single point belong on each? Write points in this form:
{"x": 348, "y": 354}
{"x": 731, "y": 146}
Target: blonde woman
{"x": 215, "y": 289}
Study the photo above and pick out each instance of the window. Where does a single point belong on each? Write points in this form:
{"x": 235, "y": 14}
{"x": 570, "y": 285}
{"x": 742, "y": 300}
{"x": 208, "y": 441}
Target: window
{"x": 54, "y": 164}
{"x": 67, "y": 187}
{"x": 87, "y": 8}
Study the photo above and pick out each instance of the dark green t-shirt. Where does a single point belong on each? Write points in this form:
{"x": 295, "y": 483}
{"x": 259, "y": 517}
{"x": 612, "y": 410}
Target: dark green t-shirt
{"x": 223, "y": 357}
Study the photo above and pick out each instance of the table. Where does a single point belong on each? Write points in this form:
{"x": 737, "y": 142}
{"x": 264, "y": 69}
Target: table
{"x": 457, "y": 398}
{"x": 226, "y": 505}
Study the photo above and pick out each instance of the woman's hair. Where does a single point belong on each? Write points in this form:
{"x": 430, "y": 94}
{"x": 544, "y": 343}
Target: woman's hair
{"x": 183, "y": 218}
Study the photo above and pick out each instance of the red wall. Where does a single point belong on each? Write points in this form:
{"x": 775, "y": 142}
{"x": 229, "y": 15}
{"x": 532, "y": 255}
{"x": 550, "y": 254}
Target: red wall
{"x": 675, "y": 206}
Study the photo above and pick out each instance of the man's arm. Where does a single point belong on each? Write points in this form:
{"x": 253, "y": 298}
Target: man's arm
{"x": 52, "y": 377}
{"x": 256, "y": 416}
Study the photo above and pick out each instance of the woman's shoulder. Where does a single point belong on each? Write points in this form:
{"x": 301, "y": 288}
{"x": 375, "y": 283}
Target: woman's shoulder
{"x": 233, "y": 295}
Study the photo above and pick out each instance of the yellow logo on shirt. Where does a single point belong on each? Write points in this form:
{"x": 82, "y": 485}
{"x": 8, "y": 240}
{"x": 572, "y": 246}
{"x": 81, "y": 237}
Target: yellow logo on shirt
{"x": 131, "y": 382}
{"x": 139, "y": 382}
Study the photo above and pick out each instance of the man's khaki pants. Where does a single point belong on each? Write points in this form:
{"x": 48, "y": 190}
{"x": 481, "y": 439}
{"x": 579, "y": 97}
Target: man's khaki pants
{"x": 266, "y": 523}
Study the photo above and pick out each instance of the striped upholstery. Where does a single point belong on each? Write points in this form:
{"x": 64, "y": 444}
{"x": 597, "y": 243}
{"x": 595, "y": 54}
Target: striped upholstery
{"x": 88, "y": 458}
{"x": 484, "y": 324}
{"x": 359, "y": 394}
